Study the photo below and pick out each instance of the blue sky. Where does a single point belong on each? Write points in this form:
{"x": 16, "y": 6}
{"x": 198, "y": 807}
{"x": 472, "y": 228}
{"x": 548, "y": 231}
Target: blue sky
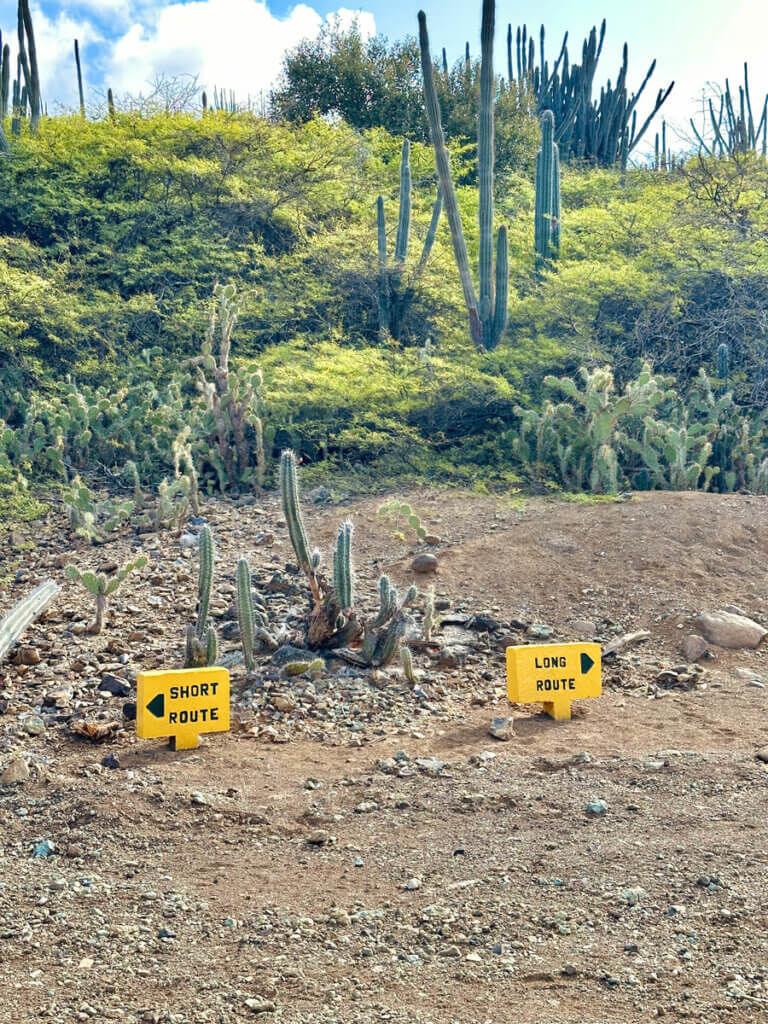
{"x": 239, "y": 43}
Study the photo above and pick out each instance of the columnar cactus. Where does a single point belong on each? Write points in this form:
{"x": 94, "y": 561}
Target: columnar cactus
{"x": 342, "y": 566}
{"x": 202, "y": 643}
{"x": 28, "y": 59}
{"x": 79, "y": 79}
{"x": 428, "y": 623}
{"x": 383, "y": 635}
{"x": 547, "y": 210}
{"x": 289, "y": 494}
{"x": 723, "y": 361}
{"x": 24, "y": 613}
{"x": 488, "y": 314}
{"x": 406, "y": 663}
{"x": 394, "y": 297}
{"x": 245, "y": 615}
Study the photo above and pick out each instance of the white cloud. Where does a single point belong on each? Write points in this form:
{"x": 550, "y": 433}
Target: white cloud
{"x": 237, "y": 44}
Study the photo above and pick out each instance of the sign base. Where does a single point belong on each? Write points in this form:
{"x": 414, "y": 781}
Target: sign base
{"x": 560, "y": 710}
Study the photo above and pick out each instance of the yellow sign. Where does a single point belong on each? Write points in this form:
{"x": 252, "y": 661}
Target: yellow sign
{"x": 555, "y": 674}
{"x": 181, "y": 704}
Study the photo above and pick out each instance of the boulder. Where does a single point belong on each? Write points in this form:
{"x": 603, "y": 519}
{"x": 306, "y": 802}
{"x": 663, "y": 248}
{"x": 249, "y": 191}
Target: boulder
{"x": 726, "y": 629}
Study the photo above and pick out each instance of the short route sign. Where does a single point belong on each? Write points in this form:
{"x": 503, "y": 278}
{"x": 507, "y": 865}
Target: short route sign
{"x": 554, "y": 674}
{"x": 182, "y": 703}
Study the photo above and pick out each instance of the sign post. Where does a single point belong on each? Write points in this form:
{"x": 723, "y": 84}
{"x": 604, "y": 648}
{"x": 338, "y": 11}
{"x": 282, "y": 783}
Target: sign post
{"x": 182, "y": 703}
{"x": 554, "y": 674}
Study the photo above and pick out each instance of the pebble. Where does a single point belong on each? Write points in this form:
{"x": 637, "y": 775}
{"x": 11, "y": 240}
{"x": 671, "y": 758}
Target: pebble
{"x": 115, "y": 685}
{"x": 27, "y": 655}
{"x": 34, "y": 726}
{"x": 412, "y": 884}
{"x": 694, "y": 647}
{"x": 44, "y": 849}
{"x": 501, "y": 729}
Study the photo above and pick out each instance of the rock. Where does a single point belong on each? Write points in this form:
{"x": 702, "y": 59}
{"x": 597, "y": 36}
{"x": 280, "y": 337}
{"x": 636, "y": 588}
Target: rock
{"x": 584, "y": 627}
{"x": 44, "y": 849}
{"x": 501, "y": 729}
{"x": 283, "y": 701}
{"x": 694, "y": 647}
{"x": 596, "y": 808}
{"x": 115, "y": 685}
{"x": 188, "y": 541}
{"x": 432, "y": 539}
{"x": 111, "y": 761}
{"x": 34, "y": 726}
{"x": 27, "y": 655}
{"x": 424, "y": 563}
{"x": 15, "y": 771}
{"x": 412, "y": 884}
{"x": 319, "y": 837}
{"x": 129, "y": 711}
{"x": 366, "y": 807}
{"x": 621, "y": 643}
{"x": 726, "y": 629}
{"x": 452, "y": 657}
{"x": 762, "y": 755}
{"x": 261, "y": 1005}
{"x": 198, "y": 799}
{"x": 540, "y": 631}
{"x": 286, "y": 654}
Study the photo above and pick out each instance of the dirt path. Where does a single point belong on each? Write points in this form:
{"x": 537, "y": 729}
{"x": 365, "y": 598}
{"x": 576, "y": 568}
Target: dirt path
{"x": 252, "y": 878}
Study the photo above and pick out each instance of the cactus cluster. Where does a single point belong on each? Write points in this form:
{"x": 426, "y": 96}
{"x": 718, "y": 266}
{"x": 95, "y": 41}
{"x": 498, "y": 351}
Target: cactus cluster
{"x": 603, "y": 131}
{"x": 102, "y": 586}
{"x": 487, "y": 312}
{"x": 735, "y": 129}
{"x": 547, "y": 209}
{"x": 395, "y": 293}
{"x": 94, "y": 520}
{"x": 333, "y": 621}
{"x": 233, "y": 397}
{"x": 202, "y": 641}
{"x": 24, "y": 613}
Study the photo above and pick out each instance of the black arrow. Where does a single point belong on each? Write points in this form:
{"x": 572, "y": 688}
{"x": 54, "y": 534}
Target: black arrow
{"x": 157, "y": 705}
{"x": 586, "y": 664}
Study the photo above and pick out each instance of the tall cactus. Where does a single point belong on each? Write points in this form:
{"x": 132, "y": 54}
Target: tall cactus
{"x": 202, "y": 643}
{"x": 245, "y": 616}
{"x": 395, "y": 296}
{"x": 342, "y": 566}
{"x": 289, "y": 494}
{"x": 735, "y": 130}
{"x": 5, "y": 77}
{"x": 547, "y": 210}
{"x": 79, "y": 68}
{"x": 24, "y": 613}
{"x": 488, "y": 314}
{"x": 28, "y": 58}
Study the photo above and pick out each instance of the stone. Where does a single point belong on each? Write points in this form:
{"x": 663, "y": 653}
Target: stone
{"x": 540, "y": 631}
{"x": 44, "y": 849}
{"x": 622, "y": 643}
{"x": 283, "y": 701}
{"x": 762, "y": 755}
{"x": 34, "y": 726}
{"x": 432, "y": 539}
{"x": 115, "y": 685}
{"x": 424, "y": 563}
{"x": 129, "y": 711}
{"x": 726, "y": 629}
{"x": 366, "y": 807}
{"x": 596, "y": 808}
{"x": 319, "y": 837}
{"x": 15, "y": 771}
{"x": 694, "y": 647}
{"x": 501, "y": 729}
{"x": 111, "y": 761}
{"x": 412, "y": 884}
{"x": 584, "y": 627}
{"x": 27, "y": 655}
{"x": 452, "y": 657}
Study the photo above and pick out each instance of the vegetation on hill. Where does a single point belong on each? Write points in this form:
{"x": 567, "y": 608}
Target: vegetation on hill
{"x": 634, "y": 351}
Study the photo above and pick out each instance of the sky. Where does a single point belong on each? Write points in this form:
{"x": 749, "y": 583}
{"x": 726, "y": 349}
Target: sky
{"x": 239, "y": 43}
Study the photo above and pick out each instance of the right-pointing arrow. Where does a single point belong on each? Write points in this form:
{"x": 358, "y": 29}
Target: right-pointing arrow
{"x": 586, "y": 664}
{"x": 157, "y": 704}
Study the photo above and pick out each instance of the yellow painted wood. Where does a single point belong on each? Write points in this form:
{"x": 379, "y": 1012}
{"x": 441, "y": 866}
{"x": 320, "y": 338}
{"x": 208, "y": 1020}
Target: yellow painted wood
{"x": 554, "y": 674}
{"x": 182, "y": 703}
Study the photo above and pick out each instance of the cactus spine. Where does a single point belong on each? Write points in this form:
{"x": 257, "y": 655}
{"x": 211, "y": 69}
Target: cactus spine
{"x": 488, "y": 315}
{"x": 547, "y": 210}
{"x": 24, "y": 613}
{"x": 245, "y": 615}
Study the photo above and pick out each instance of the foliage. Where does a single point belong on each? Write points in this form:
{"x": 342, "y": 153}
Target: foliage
{"x": 102, "y": 586}
{"x": 93, "y": 520}
{"x": 402, "y": 508}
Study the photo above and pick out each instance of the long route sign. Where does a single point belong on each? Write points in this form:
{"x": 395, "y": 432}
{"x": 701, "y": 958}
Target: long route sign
{"x": 554, "y": 674}
{"x": 182, "y": 703}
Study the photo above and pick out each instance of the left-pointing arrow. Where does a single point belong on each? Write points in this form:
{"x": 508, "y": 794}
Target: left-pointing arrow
{"x": 157, "y": 706}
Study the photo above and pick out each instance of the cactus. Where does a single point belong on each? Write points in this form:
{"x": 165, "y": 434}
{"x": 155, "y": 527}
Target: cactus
{"x": 735, "y": 132}
{"x": 28, "y": 59}
{"x": 488, "y": 314}
{"x": 401, "y": 508}
{"x": 723, "y": 361}
{"x": 383, "y": 634}
{"x": 102, "y": 586}
{"x": 111, "y": 104}
{"x": 232, "y": 397}
{"x": 289, "y": 493}
{"x": 394, "y": 297}
{"x": 604, "y": 132}
{"x": 342, "y": 567}
{"x": 79, "y": 79}
{"x": 245, "y": 615}
{"x": 428, "y": 622}
{"x": 547, "y": 210}
{"x": 207, "y": 552}
{"x": 24, "y": 613}
{"x": 91, "y": 519}
{"x": 406, "y": 663}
